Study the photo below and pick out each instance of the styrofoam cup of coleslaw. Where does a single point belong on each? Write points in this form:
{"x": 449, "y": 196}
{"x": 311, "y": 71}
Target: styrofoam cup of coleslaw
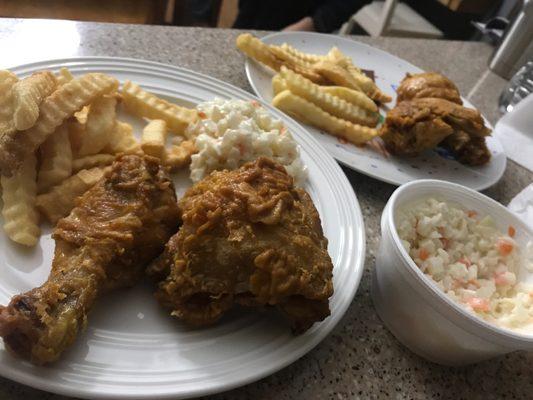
{"x": 416, "y": 310}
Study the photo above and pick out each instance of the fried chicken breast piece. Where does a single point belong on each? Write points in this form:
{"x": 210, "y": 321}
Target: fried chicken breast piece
{"x": 115, "y": 230}
{"x": 422, "y": 123}
{"x": 248, "y": 237}
{"x": 427, "y": 84}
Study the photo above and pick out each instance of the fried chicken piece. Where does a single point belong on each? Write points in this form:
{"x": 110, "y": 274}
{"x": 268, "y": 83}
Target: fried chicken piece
{"x": 250, "y": 238}
{"x": 467, "y": 149}
{"x": 468, "y": 145}
{"x": 422, "y": 123}
{"x": 428, "y": 84}
{"x": 116, "y": 228}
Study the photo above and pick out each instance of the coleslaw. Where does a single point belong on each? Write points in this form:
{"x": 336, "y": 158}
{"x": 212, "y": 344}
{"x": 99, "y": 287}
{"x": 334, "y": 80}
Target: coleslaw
{"x": 468, "y": 258}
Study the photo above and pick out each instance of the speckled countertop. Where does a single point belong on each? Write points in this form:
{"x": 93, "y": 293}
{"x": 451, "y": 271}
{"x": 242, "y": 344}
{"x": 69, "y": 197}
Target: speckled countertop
{"x": 360, "y": 358}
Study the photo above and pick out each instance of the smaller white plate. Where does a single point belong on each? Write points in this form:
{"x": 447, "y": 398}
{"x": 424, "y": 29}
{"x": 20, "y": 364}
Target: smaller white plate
{"x": 388, "y": 72}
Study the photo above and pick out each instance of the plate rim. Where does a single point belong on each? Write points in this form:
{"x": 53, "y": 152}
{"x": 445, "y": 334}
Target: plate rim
{"x": 358, "y": 234}
{"x": 347, "y": 39}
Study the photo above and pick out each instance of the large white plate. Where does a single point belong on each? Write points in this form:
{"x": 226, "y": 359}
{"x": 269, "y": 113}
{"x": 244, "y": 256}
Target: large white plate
{"x": 389, "y": 71}
{"x": 132, "y": 348}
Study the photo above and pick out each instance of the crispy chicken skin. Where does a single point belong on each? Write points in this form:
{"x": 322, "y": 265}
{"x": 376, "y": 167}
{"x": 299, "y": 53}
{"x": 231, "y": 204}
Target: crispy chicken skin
{"x": 116, "y": 228}
{"x": 468, "y": 149}
{"x": 414, "y": 126}
{"x": 250, "y": 238}
{"x": 428, "y": 84}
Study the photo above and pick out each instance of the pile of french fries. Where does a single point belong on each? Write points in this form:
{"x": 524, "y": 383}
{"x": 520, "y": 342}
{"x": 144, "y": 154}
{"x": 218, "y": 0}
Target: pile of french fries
{"x": 60, "y": 133}
{"x": 326, "y": 91}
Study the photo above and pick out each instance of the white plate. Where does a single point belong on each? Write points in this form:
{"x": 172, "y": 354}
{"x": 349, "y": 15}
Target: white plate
{"x": 389, "y": 71}
{"x": 132, "y": 348}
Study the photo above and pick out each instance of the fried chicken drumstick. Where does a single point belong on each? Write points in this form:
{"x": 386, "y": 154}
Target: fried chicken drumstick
{"x": 116, "y": 228}
{"x": 250, "y": 238}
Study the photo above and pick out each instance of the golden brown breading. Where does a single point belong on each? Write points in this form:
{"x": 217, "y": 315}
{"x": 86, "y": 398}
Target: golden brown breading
{"x": 468, "y": 149}
{"x": 429, "y": 113}
{"x": 248, "y": 237}
{"x": 422, "y": 123}
{"x": 116, "y": 228}
{"x": 428, "y": 84}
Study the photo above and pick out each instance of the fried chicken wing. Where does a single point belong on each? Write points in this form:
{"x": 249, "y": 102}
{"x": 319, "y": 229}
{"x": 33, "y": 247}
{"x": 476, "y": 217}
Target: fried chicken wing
{"x": 250, "y": 238}
{"x": 421, "y": 124}
{"x": 428, "y": 84}
{"x": 116, "y": 228}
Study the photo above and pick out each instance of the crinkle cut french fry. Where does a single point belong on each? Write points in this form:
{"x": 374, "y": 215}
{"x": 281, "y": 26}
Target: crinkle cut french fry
{"x": 56, "y": 159}
{"x": 309, "y": 113}
{"x": 64, "y": 76}
{"x": 257, "y": 50}
{"x": 76, "y": 131}
{"x": 338, "y": 57}
{"x": 367, "y": 85}
{"x": 154, "y": 137}
{"x": 179, "y": 156}
{"x": 278, "y": 84}
{"x": 147, "y": 105}
{"x": 122, "y": 140}
{"x": 7, "y": 82}
{"x": 275, "y": 57}
{"x": 100, "y": 121}
{"x": 336, "y": 74}
{"x": 56, "y": 108}
{"x": 307, "y": 57}
{"x": 94, "y": 160}
{"x": 60, "y": 200}
{"x": 336, "y": 106}
{"x": 380, "y": 96}
{"x": 297, "y": 65}
{"x": 351, "y": 96}
{"x": 362, "y": 81}
{"x": 28, "y": 94}
{"x": 21, "y": 220}
{"x": 285, "y": 55}
{"x": 82, "y": 115}
{"x": 77, "y": 126}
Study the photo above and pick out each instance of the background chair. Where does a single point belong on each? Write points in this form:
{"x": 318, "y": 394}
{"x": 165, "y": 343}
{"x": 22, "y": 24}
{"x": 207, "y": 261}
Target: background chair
{"x": 391, "y": 18}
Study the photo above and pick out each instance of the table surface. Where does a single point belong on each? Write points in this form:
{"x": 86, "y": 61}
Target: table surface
{"x": 360, "y": 358}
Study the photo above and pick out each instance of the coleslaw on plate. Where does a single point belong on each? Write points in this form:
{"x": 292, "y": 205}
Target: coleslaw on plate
{"x": 230, "y": 133}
